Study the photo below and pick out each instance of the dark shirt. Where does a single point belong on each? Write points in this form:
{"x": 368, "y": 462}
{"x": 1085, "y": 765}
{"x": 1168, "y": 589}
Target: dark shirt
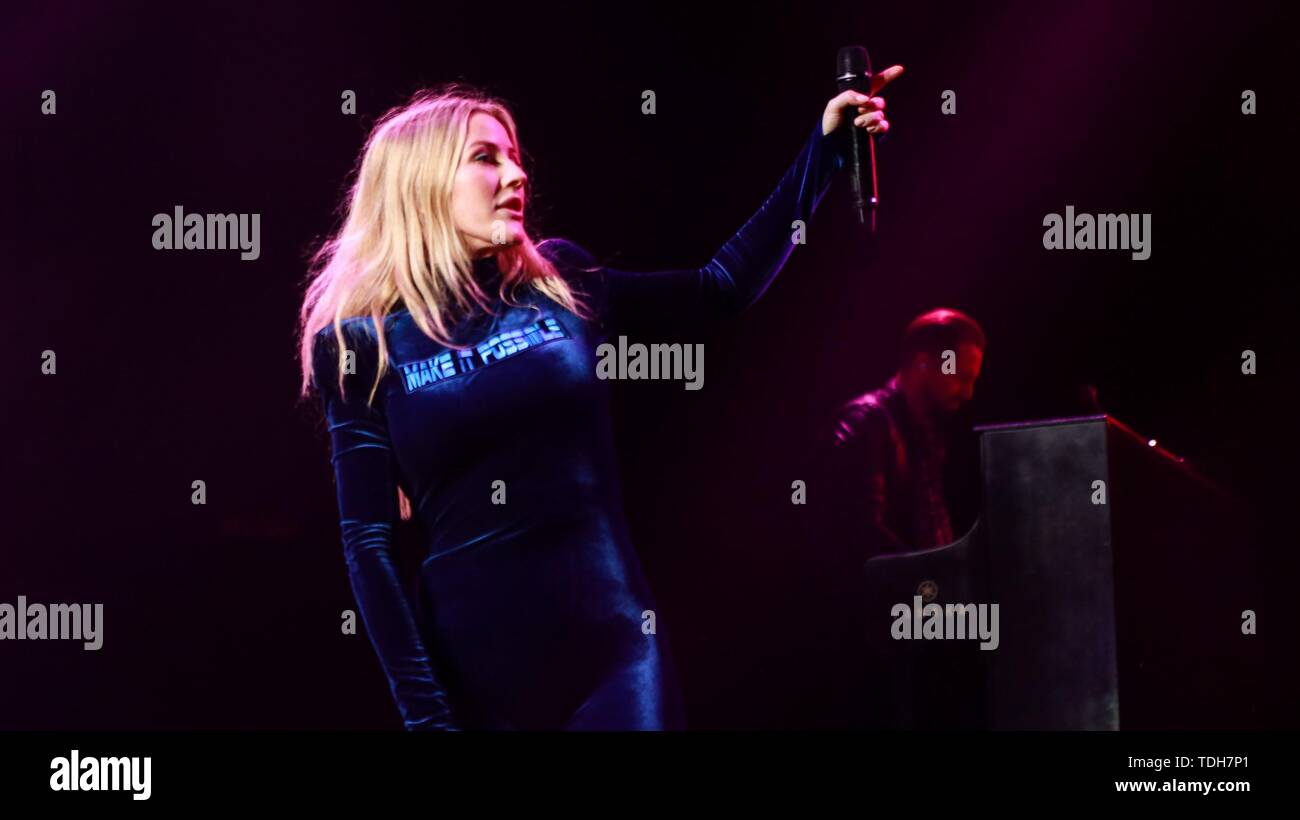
{"x": 529, "y": 614}
{"x": 887, "y": 474}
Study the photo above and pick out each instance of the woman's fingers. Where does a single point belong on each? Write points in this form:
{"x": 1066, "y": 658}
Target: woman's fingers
{"x": 849, "y": 97}
{"x": 884, "y": 78}
{"x": 863, "y": 102}
{"x": 872, "y": 121}
{"x": 872, "y": 104}
{"x": 865, "y": 105}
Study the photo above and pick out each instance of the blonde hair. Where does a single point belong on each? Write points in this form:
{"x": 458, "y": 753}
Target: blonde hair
{"x": 398, "y": 239}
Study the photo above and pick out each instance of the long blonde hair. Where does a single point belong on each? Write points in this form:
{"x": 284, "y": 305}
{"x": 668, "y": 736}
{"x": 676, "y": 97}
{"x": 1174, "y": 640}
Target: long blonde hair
{"x": 398, "y": 239}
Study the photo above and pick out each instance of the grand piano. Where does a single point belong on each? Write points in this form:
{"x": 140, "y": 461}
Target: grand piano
{"x": 1122, "y": 611}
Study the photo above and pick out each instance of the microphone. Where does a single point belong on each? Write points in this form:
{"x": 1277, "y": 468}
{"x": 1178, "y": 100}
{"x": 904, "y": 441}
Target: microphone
{"x": 853, "y": 71}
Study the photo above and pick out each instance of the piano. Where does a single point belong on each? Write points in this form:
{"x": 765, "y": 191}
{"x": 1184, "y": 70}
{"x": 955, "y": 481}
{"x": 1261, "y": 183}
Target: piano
{"x": 1121, "y": 577}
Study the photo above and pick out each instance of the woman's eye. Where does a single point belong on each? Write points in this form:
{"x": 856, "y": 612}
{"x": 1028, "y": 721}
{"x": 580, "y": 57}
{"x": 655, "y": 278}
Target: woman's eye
{"x": 482, "y": 156}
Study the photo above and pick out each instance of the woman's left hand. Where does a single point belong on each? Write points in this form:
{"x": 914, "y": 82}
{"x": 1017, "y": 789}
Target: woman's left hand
{"x": 871, "y": 109}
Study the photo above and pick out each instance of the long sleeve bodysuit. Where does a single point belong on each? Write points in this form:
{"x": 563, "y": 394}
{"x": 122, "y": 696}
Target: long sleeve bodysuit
{"x": 529, "y": 613}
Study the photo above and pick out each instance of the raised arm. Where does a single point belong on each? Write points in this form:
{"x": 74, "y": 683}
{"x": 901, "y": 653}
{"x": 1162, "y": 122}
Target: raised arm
{"x": 365, "y": 475}
{"x": 743, "y": 268}
{"x": 739, "y": 272}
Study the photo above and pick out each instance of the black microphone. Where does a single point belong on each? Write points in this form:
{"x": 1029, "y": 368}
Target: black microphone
{"x": 853, "y": 71}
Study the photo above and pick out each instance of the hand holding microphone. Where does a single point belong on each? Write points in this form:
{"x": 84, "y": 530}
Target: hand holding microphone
{"x": 871, "y": 109}
{"x": 858, "y": 87}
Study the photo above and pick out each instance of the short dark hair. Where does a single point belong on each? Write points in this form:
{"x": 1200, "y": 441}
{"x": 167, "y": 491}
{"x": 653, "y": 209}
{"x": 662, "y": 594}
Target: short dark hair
{"x": 939, "y": 330}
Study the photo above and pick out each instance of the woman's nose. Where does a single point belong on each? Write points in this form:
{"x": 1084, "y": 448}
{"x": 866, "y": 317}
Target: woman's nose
{"x": 515, "y": 177}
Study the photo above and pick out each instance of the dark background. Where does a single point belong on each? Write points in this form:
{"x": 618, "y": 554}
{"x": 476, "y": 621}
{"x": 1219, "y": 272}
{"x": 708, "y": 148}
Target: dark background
{"x": 176, "y": 366}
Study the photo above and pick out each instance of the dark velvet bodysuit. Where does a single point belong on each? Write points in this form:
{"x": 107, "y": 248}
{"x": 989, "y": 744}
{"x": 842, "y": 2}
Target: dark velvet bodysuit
{"x": 529, "y": 613}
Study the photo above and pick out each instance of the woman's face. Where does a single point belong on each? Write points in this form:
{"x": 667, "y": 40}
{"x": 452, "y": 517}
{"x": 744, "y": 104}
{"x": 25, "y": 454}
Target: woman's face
{"x": 487, "y": 197}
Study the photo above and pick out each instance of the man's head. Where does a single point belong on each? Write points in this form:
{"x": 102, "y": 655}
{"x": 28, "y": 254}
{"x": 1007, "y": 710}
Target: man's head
{"x": 942, "y": 354}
